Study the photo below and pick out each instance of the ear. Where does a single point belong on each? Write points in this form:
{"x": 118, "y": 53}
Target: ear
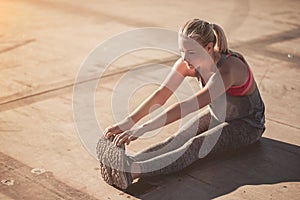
{"x": 210, "y": 46}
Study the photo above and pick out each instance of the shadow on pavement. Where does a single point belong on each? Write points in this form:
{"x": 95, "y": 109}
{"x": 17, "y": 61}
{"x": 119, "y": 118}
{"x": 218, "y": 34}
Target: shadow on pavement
{"x": 266, "y": 162}
{"x": 28, "y": 186}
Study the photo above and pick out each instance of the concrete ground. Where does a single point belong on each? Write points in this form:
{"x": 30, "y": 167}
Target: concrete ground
{"x": 42, "y": 46}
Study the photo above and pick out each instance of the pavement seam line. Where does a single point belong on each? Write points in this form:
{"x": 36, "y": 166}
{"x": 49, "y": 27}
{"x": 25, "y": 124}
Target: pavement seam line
{"x": 282, "y": 123}
{"x": 17, "y": 45}
{"x": 125, "y": 69}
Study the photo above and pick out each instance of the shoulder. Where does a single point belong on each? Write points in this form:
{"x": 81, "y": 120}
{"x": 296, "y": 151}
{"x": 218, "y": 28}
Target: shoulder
{"x": 234, "y": 62}
{"x": 234, "y": 65}
{"x": 236, "y": 68}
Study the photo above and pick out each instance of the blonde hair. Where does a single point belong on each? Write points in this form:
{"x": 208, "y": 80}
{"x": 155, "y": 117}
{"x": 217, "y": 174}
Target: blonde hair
{"x": 204, "y": 32}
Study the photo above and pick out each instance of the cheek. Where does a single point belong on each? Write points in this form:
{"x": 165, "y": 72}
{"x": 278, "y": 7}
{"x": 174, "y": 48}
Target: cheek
{"x": 194, "y": 59}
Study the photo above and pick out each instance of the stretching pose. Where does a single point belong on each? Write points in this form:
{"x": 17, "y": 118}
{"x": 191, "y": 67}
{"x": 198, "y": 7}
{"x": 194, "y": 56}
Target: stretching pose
{"x": 209, "y": 132}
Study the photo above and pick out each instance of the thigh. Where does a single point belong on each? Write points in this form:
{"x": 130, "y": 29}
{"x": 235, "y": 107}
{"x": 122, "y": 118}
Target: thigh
{"x": 223, "y": 137}
{"x": 195, "y": 126}
{"x": 236, "y": 134}
{"x": 226, "y": 136}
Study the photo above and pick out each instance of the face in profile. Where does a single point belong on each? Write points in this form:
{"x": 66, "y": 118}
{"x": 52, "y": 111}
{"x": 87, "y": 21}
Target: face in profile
{"x": 192, "y": 52}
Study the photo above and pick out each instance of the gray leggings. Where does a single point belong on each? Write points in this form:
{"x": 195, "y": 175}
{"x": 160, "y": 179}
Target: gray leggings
{"x": 200, "y": 137}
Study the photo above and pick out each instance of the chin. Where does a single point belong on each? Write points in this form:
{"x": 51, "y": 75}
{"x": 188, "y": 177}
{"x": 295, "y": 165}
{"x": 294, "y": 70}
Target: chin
{"x": 191, "y": 66}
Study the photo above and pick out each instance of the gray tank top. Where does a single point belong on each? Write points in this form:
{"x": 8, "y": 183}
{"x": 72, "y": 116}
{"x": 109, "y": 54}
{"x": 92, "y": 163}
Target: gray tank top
{"x": 249, "y": 108}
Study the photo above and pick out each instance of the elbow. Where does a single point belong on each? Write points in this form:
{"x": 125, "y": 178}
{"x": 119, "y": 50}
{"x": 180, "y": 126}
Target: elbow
{"x": 195, "y": 103}
{"x": 188, "y": 106}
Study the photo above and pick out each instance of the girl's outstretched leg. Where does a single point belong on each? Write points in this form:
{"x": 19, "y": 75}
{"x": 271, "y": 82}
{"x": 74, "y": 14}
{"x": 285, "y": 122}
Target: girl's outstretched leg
{"x": 223, "y": 137}
{"x": 195, "y": 126}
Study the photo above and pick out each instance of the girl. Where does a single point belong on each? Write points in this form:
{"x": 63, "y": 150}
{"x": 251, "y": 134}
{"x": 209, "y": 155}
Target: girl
{"x": 210, "y": 132}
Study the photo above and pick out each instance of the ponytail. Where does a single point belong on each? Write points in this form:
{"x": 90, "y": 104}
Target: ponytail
{"x": 204, "y": 32}
{"x": 221, "y": 43}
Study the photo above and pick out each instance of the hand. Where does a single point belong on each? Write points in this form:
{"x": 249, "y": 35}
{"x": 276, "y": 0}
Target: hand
{"x": 127, "y": 137}
{"x": 118, "y": 128}
{"x": 112, "y": 131}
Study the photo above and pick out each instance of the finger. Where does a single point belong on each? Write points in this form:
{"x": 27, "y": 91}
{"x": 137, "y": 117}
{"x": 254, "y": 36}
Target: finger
{"x": 107, "y": 131}
{"x": 109, "y": 134}
{"x": 116, "y": 139}
{"x": 131, "y": 138}
{"x": 128, "y": 140}
{"x": 122, "y": 140}
{"x": 112, "y": 131}
{"x": 117, "y": 143}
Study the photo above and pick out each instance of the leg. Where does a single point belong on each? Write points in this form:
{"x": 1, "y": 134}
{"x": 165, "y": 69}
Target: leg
{"x": 223, "y": 137}
{"x": 111, "y": 170}
{"x": 238, "y": 133}
{"x": 197, "y": 125}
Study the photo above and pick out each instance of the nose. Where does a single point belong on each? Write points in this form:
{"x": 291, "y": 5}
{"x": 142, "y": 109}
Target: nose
{"x": 184, "y": 56}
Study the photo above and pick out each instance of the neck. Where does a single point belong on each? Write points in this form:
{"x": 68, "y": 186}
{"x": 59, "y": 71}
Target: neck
{"x": 216, "y": 57}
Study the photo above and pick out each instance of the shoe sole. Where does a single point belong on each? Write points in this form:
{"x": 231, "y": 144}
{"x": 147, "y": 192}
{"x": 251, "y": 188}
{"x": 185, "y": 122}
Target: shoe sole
{"x": 105, "y": 170}
{"x": 117, "y": 162}
{"x": 112, "y": 163}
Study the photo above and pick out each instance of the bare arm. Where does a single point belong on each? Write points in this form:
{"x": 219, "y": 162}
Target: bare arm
{"x": 154, "y": 101}
{"x": 162, "y": 94}
{"x": 217, "y": 84}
